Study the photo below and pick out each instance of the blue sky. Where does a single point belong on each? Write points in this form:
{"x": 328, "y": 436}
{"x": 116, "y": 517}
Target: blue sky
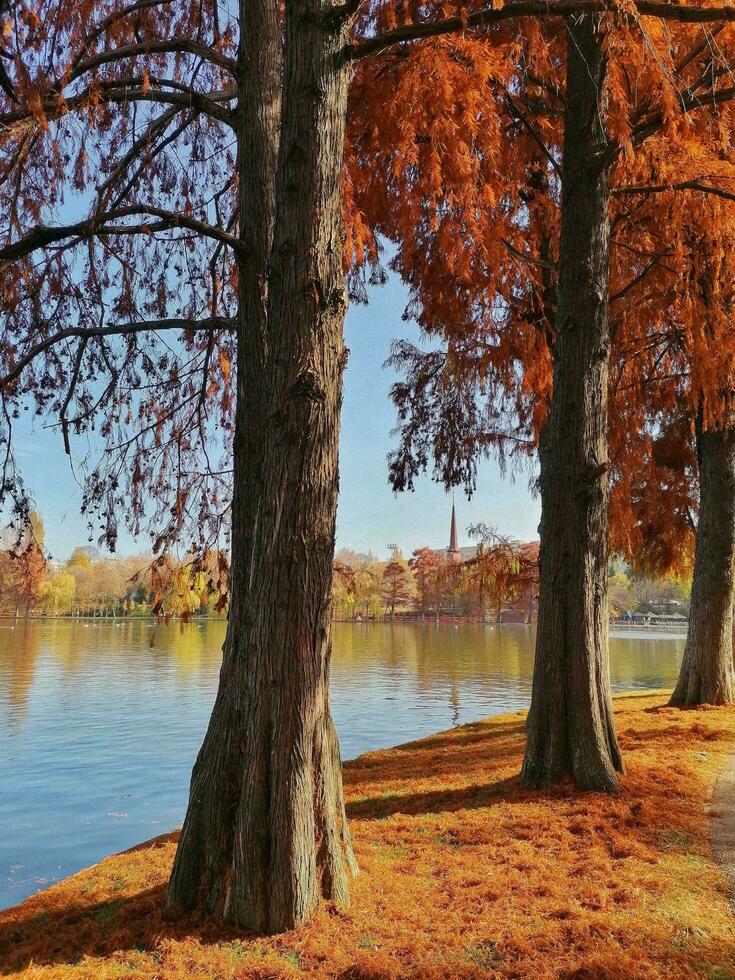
{"x": 370, "y": 515}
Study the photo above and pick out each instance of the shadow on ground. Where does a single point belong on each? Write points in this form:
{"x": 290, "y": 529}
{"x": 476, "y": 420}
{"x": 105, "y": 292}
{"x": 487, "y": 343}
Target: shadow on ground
{"x": 576, "y": 863}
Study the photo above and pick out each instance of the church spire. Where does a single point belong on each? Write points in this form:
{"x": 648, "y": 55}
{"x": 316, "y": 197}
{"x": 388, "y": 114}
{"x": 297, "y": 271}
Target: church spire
{"x": 453, "y": 550}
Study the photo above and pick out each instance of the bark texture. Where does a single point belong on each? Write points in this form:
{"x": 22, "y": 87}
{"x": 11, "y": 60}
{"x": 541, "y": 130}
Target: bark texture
{"x": 707, "y": 675}
{"x": 266, "y": 835}
{"x": 204, "y": 857}
{"x": 570, "y": 723}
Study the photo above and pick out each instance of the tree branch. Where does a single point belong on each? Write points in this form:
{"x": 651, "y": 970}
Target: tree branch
{"x": 688, "y": 103}
{"x": 529, "y": 8}
{"x": 141, "y": 146}
{"x": 516, "y": 111}
{"x": 640, "y": 277}
{"x": 156, "y": 126}
{"x": 336, "y": 14}
{"x": 43, "y": 235}
{"x": 684, "y": 185}
{"x": 117, "y": 330}
{"x": 70, "y": 393}
{"x": 113, "y": 18}
{"x": 531, "y": 259}
{"x": 703, "y": 45}
{"x": 173, "y": 45}
{"x": 55, "y": 106}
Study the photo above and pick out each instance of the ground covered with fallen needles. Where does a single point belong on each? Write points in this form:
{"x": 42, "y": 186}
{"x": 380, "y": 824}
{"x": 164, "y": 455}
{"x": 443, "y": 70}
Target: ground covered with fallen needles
{"x": 463, "y": 875}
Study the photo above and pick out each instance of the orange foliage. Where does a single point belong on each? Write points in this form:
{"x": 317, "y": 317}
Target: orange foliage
{"x": 469, "y": 195}
{"x": 463, "y": 875}
{"x": 452, "y": 155}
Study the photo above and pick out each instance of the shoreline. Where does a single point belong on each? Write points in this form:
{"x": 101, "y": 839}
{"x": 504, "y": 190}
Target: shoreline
{"x": 615, "y": 627}
{"x": 463, "y": 873}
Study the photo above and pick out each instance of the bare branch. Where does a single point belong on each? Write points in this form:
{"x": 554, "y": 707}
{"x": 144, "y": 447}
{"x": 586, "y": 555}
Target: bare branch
{"x": 44, "y": 235}
{"x": 154, "y": 127}
{"x": 129, "y": 90}
{"x": 173, "y": 45}
{"x": 114, "y": 330}
{"x": 70, "y": 393}
{"x": 115, "y": 17}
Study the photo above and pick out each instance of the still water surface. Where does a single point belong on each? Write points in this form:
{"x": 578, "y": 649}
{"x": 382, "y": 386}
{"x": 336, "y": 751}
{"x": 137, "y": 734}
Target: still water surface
{"x": 99, "y": 726}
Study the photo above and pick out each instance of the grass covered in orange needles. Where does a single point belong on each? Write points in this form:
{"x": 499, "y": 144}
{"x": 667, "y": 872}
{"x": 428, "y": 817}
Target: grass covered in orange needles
{"x": 463, "y": 875}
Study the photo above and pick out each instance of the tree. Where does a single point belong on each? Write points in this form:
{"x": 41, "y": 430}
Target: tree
{"x": 57, "y": 593}
{"x": 367, "y": 587}
{"x": 396, "y": 587}
{"x": 343, "y": 588}
{"x": 86, "y": 589}
{"x": 527, "y": 579}
{"x": 688, "y": 390}
{"x": 80, "y": 558}
{"x": 567, "y": 734}
{"x": 570, "y": 724}
{"x": 493, "y": 572}
{"x": 427, "y": 566}
{"x": 260, "y": 248}
{"x": 23, "y": 566}
{"x": 707, "y": 675}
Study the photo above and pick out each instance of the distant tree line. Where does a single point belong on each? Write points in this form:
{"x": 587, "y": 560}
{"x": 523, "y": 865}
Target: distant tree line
{"x": 501, "y": 575}
{"x": 633, "y": 591}
{"x": 500, "y": 579}
{"x": 91, "y": 585}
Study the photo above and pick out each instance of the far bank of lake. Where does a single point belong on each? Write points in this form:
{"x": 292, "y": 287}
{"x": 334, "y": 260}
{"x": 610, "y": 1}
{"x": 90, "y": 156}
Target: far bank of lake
{"x": 100, "y": 721}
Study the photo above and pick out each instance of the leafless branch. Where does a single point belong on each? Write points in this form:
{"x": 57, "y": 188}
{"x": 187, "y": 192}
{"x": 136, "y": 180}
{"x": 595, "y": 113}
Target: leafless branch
{"x": 173, "y": 45}
{"x": 116, "y": 329}
{"x": 43, "y": 235}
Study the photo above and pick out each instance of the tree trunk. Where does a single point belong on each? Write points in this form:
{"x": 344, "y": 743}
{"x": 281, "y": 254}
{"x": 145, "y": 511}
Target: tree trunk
{"x": 706, "y": 675}
{"x": 570, "y": 723}
{"x": 266, "y": 832}
{"x": 293, "y": 843}
{"x": 205, "y": 854}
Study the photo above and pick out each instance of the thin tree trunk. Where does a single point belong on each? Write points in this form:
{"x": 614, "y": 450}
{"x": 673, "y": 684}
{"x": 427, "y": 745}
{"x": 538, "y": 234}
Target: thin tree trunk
{"x": 706, "y": 675}
{"x": 570, "y": 723}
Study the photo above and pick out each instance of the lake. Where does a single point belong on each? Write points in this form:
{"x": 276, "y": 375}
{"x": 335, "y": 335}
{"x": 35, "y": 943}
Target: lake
{"x": 100, "y": 722}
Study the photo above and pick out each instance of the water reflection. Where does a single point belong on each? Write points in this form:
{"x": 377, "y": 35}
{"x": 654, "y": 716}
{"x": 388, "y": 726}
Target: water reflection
{"x": 100, "y": 721}
{"x": 19, "y": 646}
